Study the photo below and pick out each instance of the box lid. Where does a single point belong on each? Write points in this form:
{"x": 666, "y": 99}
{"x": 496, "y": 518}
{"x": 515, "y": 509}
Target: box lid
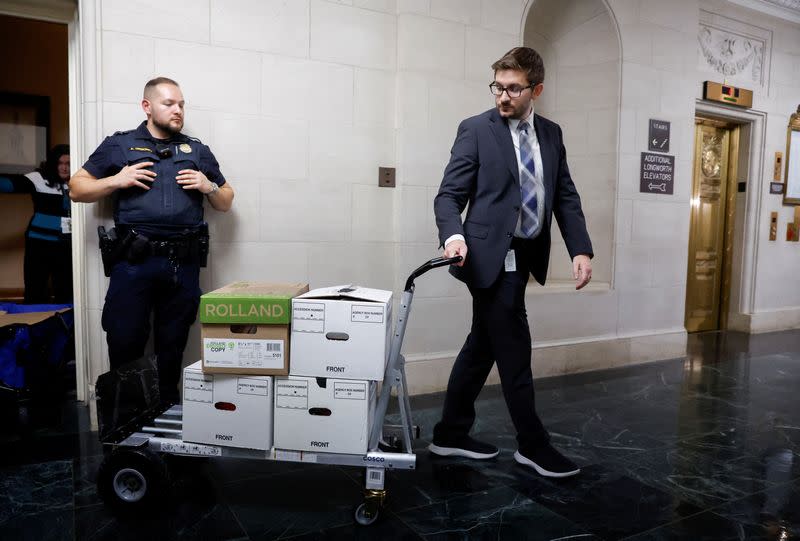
{"x": 27, "y": 318}
{"x": 196, "y": 366}
{"x": 250, "y": 302}
{"x": 349, "y": 293}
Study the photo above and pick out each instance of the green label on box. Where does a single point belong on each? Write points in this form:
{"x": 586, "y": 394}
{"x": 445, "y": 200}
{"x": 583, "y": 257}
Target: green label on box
{"x": 249, "y": 310}
{"x": 250, "y": 302}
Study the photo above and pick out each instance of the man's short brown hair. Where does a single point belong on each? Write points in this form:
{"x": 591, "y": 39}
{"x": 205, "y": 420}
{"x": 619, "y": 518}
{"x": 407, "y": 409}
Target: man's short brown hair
{"x": 152, "y": 83}
{"x": 523, "y": 59}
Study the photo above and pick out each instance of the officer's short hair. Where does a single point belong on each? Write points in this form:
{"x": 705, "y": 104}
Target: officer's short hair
{"x": 152, "y": 83}
{"x": 523, "y": 59}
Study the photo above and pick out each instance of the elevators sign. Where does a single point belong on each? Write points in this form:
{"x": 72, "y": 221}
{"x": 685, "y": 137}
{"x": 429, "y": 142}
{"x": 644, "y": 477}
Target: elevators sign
{"x": 657, "y": 174}
{"x": 658, "y": 139}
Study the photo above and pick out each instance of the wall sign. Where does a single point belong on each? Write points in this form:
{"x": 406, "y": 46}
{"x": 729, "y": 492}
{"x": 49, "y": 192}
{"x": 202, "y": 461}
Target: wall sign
{"x": 658, "y": 140}
{"x": 657, "y": 173}
{"x": 776, "y": 187}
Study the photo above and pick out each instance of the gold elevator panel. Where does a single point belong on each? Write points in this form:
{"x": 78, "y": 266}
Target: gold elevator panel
{"x": 711, "y": 226}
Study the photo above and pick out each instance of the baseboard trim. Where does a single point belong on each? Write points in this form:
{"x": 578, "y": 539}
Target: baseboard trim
{"x": 775, "y": 320}
{"x": 429, "y": 374}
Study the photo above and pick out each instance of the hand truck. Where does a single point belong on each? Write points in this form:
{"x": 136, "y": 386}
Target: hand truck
{"x": 133, "y": 473}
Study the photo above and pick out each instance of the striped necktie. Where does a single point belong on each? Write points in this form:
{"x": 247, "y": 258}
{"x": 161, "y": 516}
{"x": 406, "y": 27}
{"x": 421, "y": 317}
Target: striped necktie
{"x": 527, "y": 183}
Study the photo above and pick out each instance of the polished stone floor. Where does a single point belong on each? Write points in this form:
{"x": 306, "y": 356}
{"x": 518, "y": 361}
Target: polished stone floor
{"x": 703, "y": 447}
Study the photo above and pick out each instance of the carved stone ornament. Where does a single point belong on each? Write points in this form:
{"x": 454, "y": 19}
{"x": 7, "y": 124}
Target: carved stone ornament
{"x": 739, "y": 52}
{"x": 730, "y": 54}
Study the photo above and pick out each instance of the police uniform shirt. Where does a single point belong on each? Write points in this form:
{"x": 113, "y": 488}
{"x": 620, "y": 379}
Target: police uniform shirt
{"x": 165, "y": 208}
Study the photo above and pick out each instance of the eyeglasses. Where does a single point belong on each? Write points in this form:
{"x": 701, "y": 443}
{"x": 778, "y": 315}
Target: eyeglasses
{"x": 513, "y": 91}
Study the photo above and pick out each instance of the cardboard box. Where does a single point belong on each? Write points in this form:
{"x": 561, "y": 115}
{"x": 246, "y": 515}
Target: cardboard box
{"x": 250, "y": 302}
{"x": 225, "y": 409}
{"x": 323, "y": 415}
{"x": 28, "y": 318}
{"x": 245, "y": 349}
{"x": 245, "y": 328}
{"x": 342, "y": 332}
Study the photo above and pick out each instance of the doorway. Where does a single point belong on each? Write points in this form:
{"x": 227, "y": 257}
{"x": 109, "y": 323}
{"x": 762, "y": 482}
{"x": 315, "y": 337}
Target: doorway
{"x": 38, "y": 87}
{"x": 711, "y": 230}
{"x": 34, "y": 117}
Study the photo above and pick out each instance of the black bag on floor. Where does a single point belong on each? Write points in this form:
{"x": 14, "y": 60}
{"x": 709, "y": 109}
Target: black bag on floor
{"x": 127, "y": 397}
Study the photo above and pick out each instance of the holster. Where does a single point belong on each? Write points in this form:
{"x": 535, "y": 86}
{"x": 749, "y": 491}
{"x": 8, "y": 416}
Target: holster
{"x": 112, "y": 248}
{"x": 202, "y": 244}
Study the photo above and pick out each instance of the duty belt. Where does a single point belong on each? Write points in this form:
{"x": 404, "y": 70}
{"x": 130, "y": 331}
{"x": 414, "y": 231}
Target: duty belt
{"x": 174, "y": 248}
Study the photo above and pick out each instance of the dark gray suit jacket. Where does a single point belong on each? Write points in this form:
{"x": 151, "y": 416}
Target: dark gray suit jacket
{"x": 483, "y": 172}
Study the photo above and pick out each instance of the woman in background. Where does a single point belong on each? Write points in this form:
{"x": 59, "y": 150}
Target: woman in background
{"x": 48, "y": 239}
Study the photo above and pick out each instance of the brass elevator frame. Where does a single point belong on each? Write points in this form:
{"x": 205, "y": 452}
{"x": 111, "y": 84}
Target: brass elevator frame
{"x": 718, "y": 319}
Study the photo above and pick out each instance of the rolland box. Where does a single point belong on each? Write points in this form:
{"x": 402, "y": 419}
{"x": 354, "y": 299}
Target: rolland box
{"x": 342, "y": 332}
{"x": 226, "y": 409}
{"x": 245, "y": 328}
{"x": 323, "y": 415}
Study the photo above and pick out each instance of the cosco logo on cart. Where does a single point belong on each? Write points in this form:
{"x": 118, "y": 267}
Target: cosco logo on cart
{"x": 320, "y": 443}
{"x": 224, "y": 437}
{"x": 374, "y": 459}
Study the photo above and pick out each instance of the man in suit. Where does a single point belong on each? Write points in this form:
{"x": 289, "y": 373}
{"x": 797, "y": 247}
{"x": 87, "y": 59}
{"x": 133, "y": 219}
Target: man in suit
{"x": 509, "y": 164}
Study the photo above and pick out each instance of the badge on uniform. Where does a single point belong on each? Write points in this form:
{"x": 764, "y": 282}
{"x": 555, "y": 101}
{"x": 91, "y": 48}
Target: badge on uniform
{"x": 511, "y": 261}
{"x": 185, "y": 148}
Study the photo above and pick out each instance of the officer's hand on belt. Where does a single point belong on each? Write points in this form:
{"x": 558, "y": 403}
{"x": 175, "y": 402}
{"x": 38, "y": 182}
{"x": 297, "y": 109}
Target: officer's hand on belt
{"x": 132, "y": 175}
{"x": 194, "y": 180}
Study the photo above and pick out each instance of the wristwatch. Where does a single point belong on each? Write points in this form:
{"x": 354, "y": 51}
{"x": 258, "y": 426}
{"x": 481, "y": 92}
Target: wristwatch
{"x": 214, "y": 189}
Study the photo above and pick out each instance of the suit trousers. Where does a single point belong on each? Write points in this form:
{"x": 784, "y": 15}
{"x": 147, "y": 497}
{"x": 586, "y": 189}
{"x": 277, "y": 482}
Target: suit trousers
{"x": 499, "y": 333}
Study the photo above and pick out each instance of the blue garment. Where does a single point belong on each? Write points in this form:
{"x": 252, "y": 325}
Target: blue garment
{"x": 167, "y": 290}
{"x": 48, "y": 238}
{"x": 31, "y": 355}
{"x": 482, "y": 176}
{"x": 171, "y": 294}
{"x": 166, "y": 209}
{"x": 50, "y": 205}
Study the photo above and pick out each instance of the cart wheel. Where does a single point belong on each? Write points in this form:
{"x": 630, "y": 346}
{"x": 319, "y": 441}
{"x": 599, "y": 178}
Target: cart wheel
{"x": 132, "y": 479}
{"x": 362, "y": 516}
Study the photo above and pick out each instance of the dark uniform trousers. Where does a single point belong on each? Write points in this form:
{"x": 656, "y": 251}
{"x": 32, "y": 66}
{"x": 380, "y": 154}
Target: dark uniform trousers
{"x": 499, "y": 333}
{"x": 47, "y": 260}
{"x": 172, "y": 293}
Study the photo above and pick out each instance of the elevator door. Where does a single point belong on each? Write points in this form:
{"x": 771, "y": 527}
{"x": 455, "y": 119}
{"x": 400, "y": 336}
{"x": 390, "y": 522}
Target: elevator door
{"x": 711, "y": 228}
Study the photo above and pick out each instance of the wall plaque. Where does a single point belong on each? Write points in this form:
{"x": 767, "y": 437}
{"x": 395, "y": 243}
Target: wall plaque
{"x": 659, "y": 136}
{"x": 657, "y": 173}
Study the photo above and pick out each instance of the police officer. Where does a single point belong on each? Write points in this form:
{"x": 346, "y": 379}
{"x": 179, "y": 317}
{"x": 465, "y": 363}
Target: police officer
{"x": 158, "y": 179}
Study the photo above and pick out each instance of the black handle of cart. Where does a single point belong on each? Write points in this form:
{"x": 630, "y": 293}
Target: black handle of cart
{"x": 428, "y": 265}
{"x": 395, "y": 375}
{"x": 163, "y": 434}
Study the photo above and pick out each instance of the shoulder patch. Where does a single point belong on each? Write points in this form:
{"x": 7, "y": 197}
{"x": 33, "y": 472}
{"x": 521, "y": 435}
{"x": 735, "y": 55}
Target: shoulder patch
{"x": 126, "y": 132}
{"x": 194, "y": 139}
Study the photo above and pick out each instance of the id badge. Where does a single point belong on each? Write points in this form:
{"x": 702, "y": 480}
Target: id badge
{"x": 66, "y": 225}
{"x": 511, "y": 261}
